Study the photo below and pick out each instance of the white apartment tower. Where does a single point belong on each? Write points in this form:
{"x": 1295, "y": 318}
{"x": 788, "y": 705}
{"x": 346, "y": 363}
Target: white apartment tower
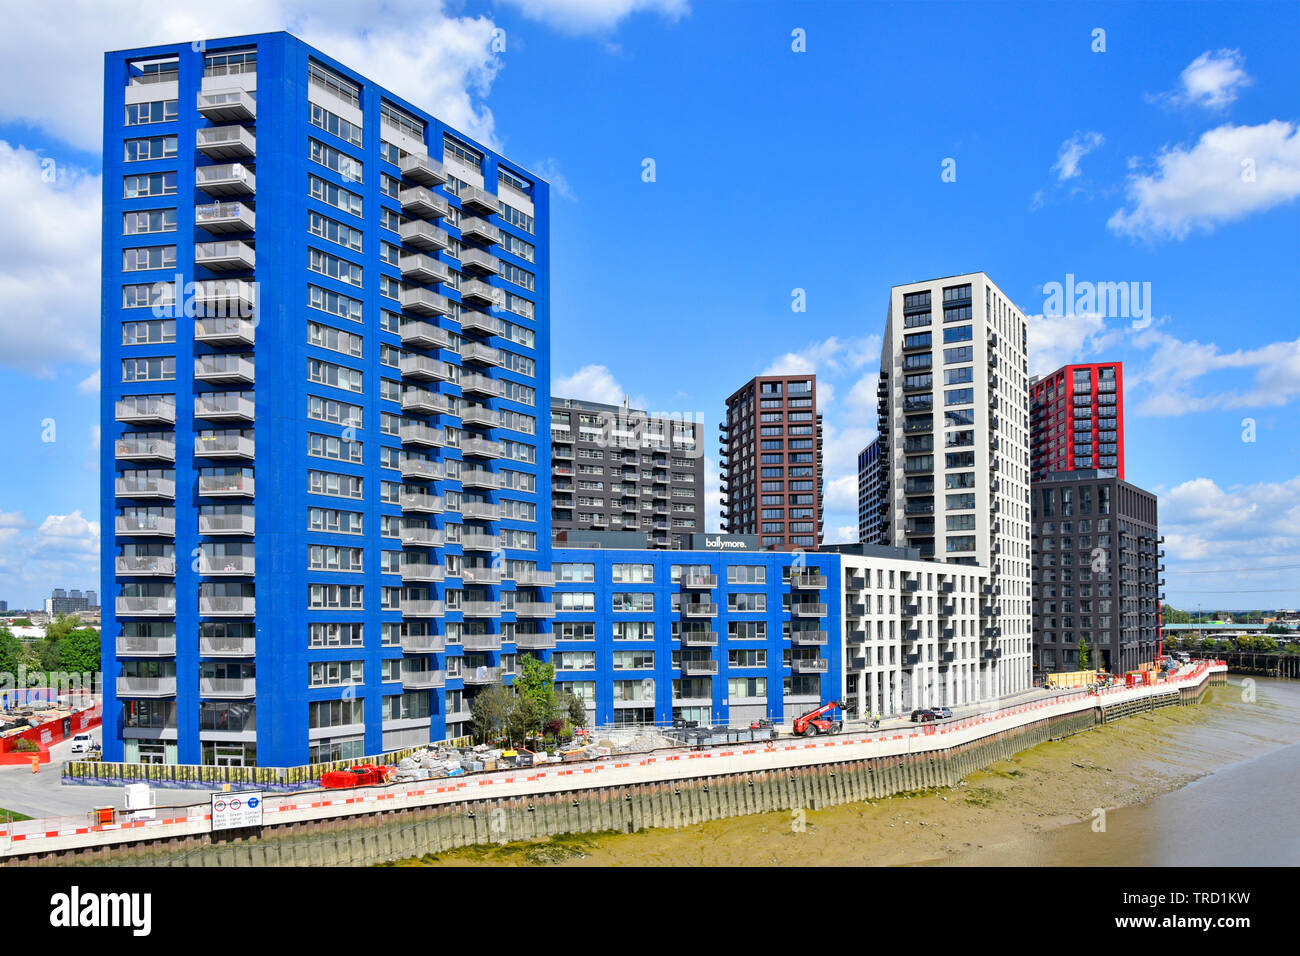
{"x": 954, "y": 433}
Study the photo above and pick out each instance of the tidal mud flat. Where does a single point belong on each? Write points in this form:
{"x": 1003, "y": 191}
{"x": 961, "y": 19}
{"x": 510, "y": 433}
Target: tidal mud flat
{"x": 1002, "y": 815}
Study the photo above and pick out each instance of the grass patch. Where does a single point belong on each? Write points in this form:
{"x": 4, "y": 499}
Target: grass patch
{"x": 12, "y": 815}
{"x": 982, "y": 797}
{"x": 557, "y": 849}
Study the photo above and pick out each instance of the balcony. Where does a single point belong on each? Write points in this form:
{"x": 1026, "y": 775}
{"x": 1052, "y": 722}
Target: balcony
{"x": 422, "y": 607}
{"x": 481, "y": 675}
{"x": 227, "y": 106}
{"x": 482, "y": 354}
{"x": 481, "y": 510}
{"x": 478, "y": 199}
{"x": 692, "y": 637}
{"x": 146, "y": 687}
{"x": 809, "y": 665}
{"x": 807, "y": 610}
{"x": 223, "y": 486}
{"x": 479, "y": 260}
{"x": 695, "y": 609}
{"x": 422, "y": 301}
{"x": 225, "y": 297}
{"x": 224, "y": 330}
{"x": 229, "y": 688}
{"x": 421, "y": 537}
{"x": 132, "y": 487}
{"x": 481, "y": 609}
{"x": 223, "y": 406}
{"x": 424, "y": 368}
{"x": 815, "y": 581}
{"x": 481, "y": 642}
{"x": 477, "y": 575}
{"x": 419, "y": 168}
{"x": 420, "y": 469}
{"x": 421, "y": 503}
{"x": 227, "y": 646}
{"x": 227, "y": 255}
{"x": 226, "y": 142}
{"x": 144, "y": 449}
{"x": 699, "y": 668}
{"x": 423, "y": 643}
{"x": 421, "y": 401}
{"x": 911, "y": 610}
{"x": 227, "y": 565}
{"x": 419, "y": 201}
{"x": 482, "y": 448}
{"x": 145, "y": 526}
{"x": 146, "y": 646}
{"x": 544, "y": 579}
{"x": 477, "y": 292}
{"x": 139, "y": 410}
{"x": 226, "y": 179}
{"x": 473, "y": 414}
{"x": 223, "y": 446}
{"x": 146, "y": 607}
{"x": 145, "y": 565}
{"x": 480, "y": 323}
{"x": 226, "y": 524}
{"x": 417, "y": 267}
{"x": 424, "y": 235}
{"x": 534, "y": 609}
{"x": 472, "y": 227}
{"x": 425, "y": 335}
{"x": 535, "y": 642}
{"x": 417, "y": 433}
{"x": 224, "y": 217}
{"x": 473, "y": 383}
{"x": 422, "y": 573}
{"x": 422, "y": 680}
{"x": 697, "y": 580}
{"x": 805, "y": 638}
{"x": 474, "y": 541}
{"x": 223, "y": 606}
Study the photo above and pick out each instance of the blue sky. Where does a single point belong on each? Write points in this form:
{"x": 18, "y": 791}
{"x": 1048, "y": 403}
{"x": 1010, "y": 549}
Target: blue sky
{"x": 774, "y": 170}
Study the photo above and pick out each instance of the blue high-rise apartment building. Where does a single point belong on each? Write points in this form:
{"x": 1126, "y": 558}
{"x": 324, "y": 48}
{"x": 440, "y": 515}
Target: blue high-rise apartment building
{"x": 654, "y": 636}
{"x": 325, "y": 371}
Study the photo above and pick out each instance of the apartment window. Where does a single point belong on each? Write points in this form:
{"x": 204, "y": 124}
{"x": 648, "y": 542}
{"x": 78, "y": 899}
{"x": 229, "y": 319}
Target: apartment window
{"x": 334, "y": 520}
{"x": 466, "y": 154}
{"x": 335, "y": 635}
{"x": 143, "y": 258}
{"x": 327, "y": 373}
{"x": 336, "y": 83}
{"x": 958, "y": 333}
{"x": 336, "y": 340}
{"x": 582, "y": 573}
{"x": 229, "y": 64}
{"x": 142, "y": 114}
{"x": 633, "y": 660}
{"x": 335, "y": 485}
{"x": 152, "y": 147}
{"x": 156, "y": 369}
{"x": 633, "y": 601}
{"x": 149, "y": 184}
{"x": 328, "y": 193}
{"x": 147, "y": 221}
{"x": 151, "y": 332}
{"x": 329, "y": 410}
{"x": 334, "y": 267}
{"x": 331, "y": 123}
{"x": 334, "y": 231}
{"x": 334, "y": 303}
{"x": 633, "y": 573}
{"x": 340, "y": 162}
{"x": 516, "y": 218}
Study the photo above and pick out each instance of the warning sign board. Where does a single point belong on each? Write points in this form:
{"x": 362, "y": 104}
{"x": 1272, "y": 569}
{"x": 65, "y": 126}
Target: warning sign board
{"x": 233, "y": 811}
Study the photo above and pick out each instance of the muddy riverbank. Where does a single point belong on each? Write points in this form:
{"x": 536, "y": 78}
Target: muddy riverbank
{"x": 1039, "y": 807}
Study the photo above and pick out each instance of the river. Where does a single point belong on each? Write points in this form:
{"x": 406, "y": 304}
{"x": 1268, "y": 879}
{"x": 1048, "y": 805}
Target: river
{"x": 1211, "y": 784}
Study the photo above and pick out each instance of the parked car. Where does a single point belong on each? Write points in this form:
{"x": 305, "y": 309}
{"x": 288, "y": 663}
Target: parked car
{"x": 922, "y": 715}
{"x": 941, "y": 713}
{"x": 83, "y": 743}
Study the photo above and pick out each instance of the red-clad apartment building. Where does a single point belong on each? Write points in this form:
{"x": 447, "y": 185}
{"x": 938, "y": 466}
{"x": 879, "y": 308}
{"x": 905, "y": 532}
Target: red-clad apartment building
{"x": 1076, "y": 419}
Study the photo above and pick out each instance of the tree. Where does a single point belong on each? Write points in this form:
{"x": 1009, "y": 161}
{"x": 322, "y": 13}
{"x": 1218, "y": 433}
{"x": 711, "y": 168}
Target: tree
{"x": 525, "y": 717}
{"x": 1083, "y": 655}
{"x": 536, "y": 683}
{"x": 47, "y": 655}
{"x": 575, "y": 710}
{"x": 79, "y": 652}
{"x": 1171, "y": 615}
{"x": 12, "y": 652}
{"x": 490, "y": 713}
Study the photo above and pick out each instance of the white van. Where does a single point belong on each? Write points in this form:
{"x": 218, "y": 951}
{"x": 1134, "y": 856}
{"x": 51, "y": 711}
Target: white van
{"x": 82, "y": 743}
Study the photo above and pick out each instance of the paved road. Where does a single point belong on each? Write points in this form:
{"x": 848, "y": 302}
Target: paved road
{"x": 43, "y": 794}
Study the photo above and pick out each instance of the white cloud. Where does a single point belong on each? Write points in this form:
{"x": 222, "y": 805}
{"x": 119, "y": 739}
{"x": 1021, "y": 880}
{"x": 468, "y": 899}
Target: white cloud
{"x": 595, "y": 16}
{"x": 412, "y": 46}
{"x": 90, "y": 384}
{"x": 712, "y": 495}
{"x": 1176, "y": 364}
{"x": 49, "y": 261}
{"x": 549, "y": 170}
{"x": 592, "y": 383}
{"x": 62, "y": 550}
{"x": 1232, "y": 172}
{"x": 1057, "y": 339}
{"x": 830, "y": 355}
{"x": 1212, "y": 80}
{"x": 843, "y": 534}
{"x": 1237, "y": 533}
{"x": 1072, "y": 151}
